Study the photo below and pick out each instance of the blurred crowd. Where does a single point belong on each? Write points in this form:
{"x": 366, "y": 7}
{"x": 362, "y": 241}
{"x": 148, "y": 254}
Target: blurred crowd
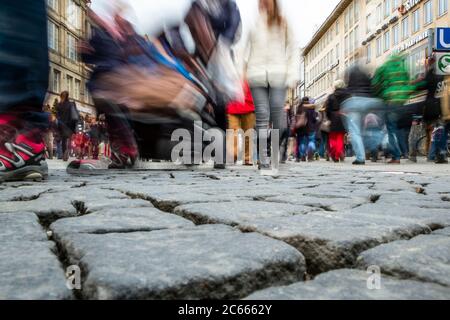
{"x": 191, "y": 76}
{"x": 387, "y": 115}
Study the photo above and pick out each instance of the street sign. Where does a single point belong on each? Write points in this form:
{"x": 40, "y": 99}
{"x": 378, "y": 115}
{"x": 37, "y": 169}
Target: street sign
{"x": 442, "y": 39}
{"x": 443, "y": 63}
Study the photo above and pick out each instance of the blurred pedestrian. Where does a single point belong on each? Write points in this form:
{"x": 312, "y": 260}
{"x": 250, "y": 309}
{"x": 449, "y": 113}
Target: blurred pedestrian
{"x": 285, "y": 132}
{"x": 392, "y": 84}
{"x": 68, "y": 119}
{"x": 361, "y": 101}
{"x": 306, "y": 128}
{"x": 373, "y": 135}
{"x": 23, "y": 85}
{"x": 272, "y": 67}
{"x": 241, "y": 118}
{"x": 337, "y": 129}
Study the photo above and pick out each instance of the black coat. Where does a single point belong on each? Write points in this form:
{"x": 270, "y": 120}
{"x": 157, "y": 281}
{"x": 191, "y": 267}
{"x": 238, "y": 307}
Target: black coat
{"x": 333, "y": 109}
{"x": 359, "y": 83}
{"x": 64, "y": 114}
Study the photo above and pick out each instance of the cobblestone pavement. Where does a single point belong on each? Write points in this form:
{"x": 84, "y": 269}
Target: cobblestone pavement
{"x": 312, "y": 232}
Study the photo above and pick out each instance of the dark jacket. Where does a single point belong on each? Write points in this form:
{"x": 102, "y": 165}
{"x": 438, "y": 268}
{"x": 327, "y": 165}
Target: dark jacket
{"x": 313, "y": 122}
{"x": 226, "y": 21}
{"x": 432, "y": 105}
{"x": 64, "y": 114}
{"x": 333, "y": 109}
{"x": 359, "y": 83}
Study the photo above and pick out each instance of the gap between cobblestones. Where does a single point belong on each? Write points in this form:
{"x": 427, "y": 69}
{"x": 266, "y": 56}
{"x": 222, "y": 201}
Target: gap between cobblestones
{"x": 59, "y": 253}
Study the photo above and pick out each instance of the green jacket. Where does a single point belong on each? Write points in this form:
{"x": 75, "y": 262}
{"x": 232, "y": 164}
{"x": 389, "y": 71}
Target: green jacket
{"x": 391, "y": 81}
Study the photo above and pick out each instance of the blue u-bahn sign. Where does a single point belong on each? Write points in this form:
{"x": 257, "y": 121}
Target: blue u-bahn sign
{"x": 442, "y": 39}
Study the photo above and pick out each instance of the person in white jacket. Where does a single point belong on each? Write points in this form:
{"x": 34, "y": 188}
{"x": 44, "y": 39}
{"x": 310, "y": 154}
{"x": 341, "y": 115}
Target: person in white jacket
{"x": 272, "y": 67}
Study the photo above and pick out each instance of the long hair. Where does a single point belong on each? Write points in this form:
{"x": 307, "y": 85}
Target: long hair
{"x": 274, "y": 17}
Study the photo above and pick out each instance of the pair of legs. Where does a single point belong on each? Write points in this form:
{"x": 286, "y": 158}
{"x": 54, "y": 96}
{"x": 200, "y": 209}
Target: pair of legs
{"x": 373, "y": 139}
{"x": 284, "y": 144}
{"x": 306, "y": 145}
{"x": 244, "y": 122}
{"x": 324, "y": 146}
{"x": 403, "y": 138}
{"x": 391, "y": 117}
{"x": 23, "y": 86}
{"x": 441, "y": 142}
{"x": 355, "y": 109}
{"x": 48, "y": 140}
{"x": 418, "y": 130}
{"x": 336, "y": 149}
{"x": 269, "y": 103}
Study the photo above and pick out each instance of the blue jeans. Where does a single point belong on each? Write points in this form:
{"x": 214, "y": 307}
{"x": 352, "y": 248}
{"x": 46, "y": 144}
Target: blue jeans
{"x": 355, "y": 108}
{"x": 269, "y": 102}
{"x": 24, "y": 65}
{"x": 323, "y": 147}
{"x": 441, "y": 140}
{"x": 306, "y": 144}
{"x": 373, "y": 138}
{"x": 393, "y": 135}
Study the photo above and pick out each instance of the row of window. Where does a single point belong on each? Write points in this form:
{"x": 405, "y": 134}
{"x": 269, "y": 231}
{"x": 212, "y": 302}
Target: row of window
{"x": 351, "y": 15}
{"x": 72, "y": 10}
{"x": 54, "y": 42}
{"x": 70, "y": 84}
{"x": 429, "y": 13}
{"x": 391, "y": 38}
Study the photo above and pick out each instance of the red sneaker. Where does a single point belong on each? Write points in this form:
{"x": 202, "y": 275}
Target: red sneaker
{"x": 22, "y": 155}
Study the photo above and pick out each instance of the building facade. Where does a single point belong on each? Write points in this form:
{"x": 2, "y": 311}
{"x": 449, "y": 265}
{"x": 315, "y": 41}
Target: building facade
{"x": 67, "y": 24}
{"x": 367, "y": 32}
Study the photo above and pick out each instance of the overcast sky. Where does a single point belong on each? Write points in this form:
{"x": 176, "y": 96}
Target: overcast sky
{"x": 304, "y": 15}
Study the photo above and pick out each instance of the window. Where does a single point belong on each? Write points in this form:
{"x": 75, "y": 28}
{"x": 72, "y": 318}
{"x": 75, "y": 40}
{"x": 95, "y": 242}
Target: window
{"x": 56, "y": 81}
{"x": 427, "y": 12}
{"x": 73, "y": 14}
{"x": 395, "y": 5}
{"x": 53, "y": 4}
{"x": 350, "y": 40}
{"x": 76, "y": 93}
{"x": 405, "y": 28}
{"x": 337, "y": 52}
{"x": 369, "y": 53}
{"x": 395, "y": 34}
{"x": 337, "y": 27}
{"x": 387, "y": 8}
{"x": 442, "y": 7}
{"x": 379, "y": 14}
{"x": 71, "y": 48}
{"x": 368, "y": 23}
{"x": 69, "y": 84}
{"x": 379, "y": 48}
{"x": 346, "y": 21}
{"x": 416, "y": 21}
{"x": 346, "y": 46}
{"x": 387, "y": 41}
{"x": 53, "y": 36}
{"x": 356, "y": 37}
{"x": 350, "y": 15}
{"x": 356, "y": 11}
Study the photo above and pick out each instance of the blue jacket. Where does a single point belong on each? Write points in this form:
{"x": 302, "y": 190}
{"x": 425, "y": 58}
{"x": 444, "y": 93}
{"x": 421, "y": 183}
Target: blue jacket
{"x": 227, "y": 23}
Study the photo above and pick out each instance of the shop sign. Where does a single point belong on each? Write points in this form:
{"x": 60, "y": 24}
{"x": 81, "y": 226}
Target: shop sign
{"x": 410, "y": 43}
{"x": 442, "y": 39}
{"x": 408, "y": 6}
{"x": 443, "y": 63}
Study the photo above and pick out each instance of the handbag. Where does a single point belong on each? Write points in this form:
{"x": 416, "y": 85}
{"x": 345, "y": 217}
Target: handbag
{"x": 325, "y": 125}
{"x": 74, "y": 114}
{"x": 301, "y": 120}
